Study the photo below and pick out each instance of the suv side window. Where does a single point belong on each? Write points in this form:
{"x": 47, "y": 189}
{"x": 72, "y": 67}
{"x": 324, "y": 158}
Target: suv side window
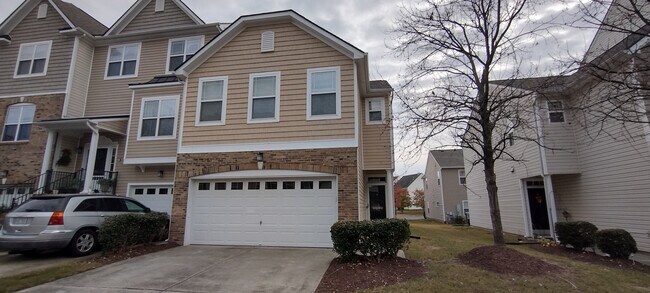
{"x": 133, "y": 206}
{"x": 113, "y": 205}
{"x": 89, "y": 205}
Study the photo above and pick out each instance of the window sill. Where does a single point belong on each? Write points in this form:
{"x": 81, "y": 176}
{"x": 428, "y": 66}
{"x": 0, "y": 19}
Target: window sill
{"x": 209, "y": 123}
{"x": 15, "y": 142}
{"x": 146, "y": 138}
{"x": 324, "y": 117}
{"x": 265, "y": 120}
{"x": 119, "y": 77}
{"x": 16, "y": 76}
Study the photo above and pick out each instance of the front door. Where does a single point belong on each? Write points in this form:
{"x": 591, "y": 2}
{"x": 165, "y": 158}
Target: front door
{"x": 100, "y": 161}
{"x": 538, "y": 211}
{"x": 377, "y": 201}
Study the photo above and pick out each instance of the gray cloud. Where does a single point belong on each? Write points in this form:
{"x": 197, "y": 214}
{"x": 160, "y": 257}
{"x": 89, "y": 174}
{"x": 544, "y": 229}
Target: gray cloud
{"x": 364, "y": 23}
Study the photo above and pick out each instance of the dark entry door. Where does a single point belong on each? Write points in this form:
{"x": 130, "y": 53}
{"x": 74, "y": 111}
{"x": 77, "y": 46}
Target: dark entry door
{"x": 377, "y": 202}
{"x": 538, "y": 211}
{"x": 100, "y": 161}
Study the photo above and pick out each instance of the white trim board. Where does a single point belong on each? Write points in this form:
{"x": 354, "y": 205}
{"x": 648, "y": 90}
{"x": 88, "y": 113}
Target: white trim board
{"x": 150, "y": 161}
{"x": 137, "y": 7}
{"x": 269, "y": 146}
{"x": 262, "y": 174}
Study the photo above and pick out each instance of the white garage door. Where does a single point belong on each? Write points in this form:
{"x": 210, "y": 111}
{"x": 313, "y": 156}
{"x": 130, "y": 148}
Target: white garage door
{"x": 157, "y": 197}
{"x": 263, "y": 211}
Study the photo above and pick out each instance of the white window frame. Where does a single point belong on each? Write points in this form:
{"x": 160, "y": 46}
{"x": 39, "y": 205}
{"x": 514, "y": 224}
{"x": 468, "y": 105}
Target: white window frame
{"x": 47, "y": 59}
{"x": 251, "y": 98}
{"x": 169, "y": 49}
{"x": 439, "y": 174}
{"x": 462, "y": 177}
{"x": 199, "y": 102}
{"x": 383, "y": 110}
{"x": 137, "y": 62}
{"x": 548, "y": 107}
{"x": 157, "y": 137}
{"x": 22, "y": 107}
{"x": 337, "y": 115}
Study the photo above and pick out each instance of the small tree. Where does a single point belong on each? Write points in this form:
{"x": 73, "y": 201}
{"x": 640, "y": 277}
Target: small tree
{"x": 418, "y": 198}
{"x": 402, "y": 198}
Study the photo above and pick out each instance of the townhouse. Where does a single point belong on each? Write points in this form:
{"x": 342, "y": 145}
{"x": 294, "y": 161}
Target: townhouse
{"x": 576, "y": 164}
{"x": 264, "y": 131}
{"x": 444, "y": 180}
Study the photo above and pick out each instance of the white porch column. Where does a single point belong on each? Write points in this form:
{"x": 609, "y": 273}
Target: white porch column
{"x": 90, "y": 163}
{"x": 390, "y": 197}
{"x": 550, "y": 203}
{"x": 47, "y": 158}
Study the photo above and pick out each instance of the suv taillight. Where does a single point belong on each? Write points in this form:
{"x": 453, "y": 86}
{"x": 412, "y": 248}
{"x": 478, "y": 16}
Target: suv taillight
{"x": 56, "y": 219}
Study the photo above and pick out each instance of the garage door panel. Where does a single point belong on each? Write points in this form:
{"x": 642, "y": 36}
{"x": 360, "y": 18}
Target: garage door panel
{"x": 293, "y": 217}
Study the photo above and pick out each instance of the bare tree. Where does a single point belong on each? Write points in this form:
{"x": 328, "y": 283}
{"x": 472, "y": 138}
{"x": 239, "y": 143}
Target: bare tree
{"x": 454, "y": 50}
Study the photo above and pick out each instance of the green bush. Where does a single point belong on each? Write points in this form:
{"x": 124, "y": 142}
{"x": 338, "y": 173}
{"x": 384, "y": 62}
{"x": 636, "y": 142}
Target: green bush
{"x": 458, "y": 220}
{"x": 376, "y": 238}
{"x": 618, "y": 243}
{"x": 125, "y": 230}
{"x": 578, "y": 234}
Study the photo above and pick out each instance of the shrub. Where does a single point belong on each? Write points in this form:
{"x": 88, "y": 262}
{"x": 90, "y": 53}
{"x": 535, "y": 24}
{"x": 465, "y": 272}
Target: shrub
{"x": 125, "y": 230}
{"x": 376, "y": 238}
{"x": 458, "y": 220}
{"x": 578, "y": 234}
{"x": 618, "y": 243}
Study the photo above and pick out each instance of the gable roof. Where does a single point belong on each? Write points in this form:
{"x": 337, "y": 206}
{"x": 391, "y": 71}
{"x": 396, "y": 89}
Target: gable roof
{"x": 138, "y": 6}
{"x": 406, "y": 180}
{"x": 71, "y": 14}
{"x": 449, "y": 158}
{"x": 245, "y": 21}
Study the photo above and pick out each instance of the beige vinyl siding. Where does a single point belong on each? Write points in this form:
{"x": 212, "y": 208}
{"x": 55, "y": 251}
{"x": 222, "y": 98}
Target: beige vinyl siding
{"x": 31, "y": 30}
{"x": 118, "y": 126}
{"x": 149, "y": 19}
{"x": 151, "y": 148}
{"x": 612, "y": 189}
{"x": 454, "y": 192}
{"x": 80, "y": 78}
{"x": 559, "y": 141}
{"x": 508, "y": 182}
{"x": 113, "y": 96}
{"x": 376, "y": 140}
{"x": 295, "y": 52}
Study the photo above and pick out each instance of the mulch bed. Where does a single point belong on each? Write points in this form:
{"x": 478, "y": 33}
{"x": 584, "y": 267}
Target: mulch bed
{"x": 591, "y": 257}
{"x": 504, "y": 260}
{"x": 369, "y": 273}
{"x": 129, "y": 252}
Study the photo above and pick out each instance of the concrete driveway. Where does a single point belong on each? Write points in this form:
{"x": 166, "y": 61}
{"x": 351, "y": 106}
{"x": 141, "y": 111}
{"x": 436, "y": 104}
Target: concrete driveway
{"x": 205, "y": 269}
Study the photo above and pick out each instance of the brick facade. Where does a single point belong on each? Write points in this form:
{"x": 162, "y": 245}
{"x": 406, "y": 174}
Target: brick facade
{"x": 23, "y": 159}
{"x": 340, "y": 161}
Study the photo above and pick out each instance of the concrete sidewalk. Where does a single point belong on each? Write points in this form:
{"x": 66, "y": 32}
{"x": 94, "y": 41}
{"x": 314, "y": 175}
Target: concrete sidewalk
{"x": 205, "y": 269}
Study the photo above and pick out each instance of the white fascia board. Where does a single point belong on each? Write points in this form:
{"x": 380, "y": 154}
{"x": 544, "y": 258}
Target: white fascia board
{"x": 269, "y": 146}
{"x": 145, "y": 86}
{"x": 150, "y": 161}
{"x": 234, "y": 29}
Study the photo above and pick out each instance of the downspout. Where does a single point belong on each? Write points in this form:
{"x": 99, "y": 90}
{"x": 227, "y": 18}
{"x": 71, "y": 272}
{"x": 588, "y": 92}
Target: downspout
{"x": 548, "y": 182}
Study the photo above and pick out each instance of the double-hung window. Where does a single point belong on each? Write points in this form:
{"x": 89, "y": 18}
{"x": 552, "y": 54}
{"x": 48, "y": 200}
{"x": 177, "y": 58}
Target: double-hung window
{"x": 375, "y": 109}
{"x": 323, "y": 93}
{"x": 211, "y": 108}
{"x": 264, "y": 97}
{"x": 18, "y": 122}
{"x": 555, "y": 111}
{"x": 182, "y": 49}
{"x": 123, "y": 61}
{"x": 33, "y": 59}
{"x": 461, "y": 177}
{"x": 158, "y": 118}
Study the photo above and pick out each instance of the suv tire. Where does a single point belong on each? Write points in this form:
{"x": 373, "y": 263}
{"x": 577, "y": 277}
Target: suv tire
{"x": 83, "y": 243}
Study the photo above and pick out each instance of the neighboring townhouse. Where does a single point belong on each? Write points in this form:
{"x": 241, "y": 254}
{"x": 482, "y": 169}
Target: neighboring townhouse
{"x": 411, "y": 183}
{"x": 584, "y": 168}
{"x": 38, "y": 43}
{"x": 445, "y": 195}
{"x": 264, "y": 132}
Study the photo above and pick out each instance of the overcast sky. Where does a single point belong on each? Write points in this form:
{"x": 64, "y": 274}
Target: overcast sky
{"x": 364, "y": 23}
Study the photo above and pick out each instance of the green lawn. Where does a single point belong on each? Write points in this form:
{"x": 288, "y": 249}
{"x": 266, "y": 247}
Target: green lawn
{"x": 440, "y": 244}
{"x": 34, "y": 278}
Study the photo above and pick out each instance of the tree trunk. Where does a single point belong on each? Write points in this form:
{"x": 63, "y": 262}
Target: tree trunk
{"x": 493, "y": 201}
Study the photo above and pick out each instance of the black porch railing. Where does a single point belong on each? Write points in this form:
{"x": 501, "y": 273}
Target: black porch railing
{"x": 55, "y": 182}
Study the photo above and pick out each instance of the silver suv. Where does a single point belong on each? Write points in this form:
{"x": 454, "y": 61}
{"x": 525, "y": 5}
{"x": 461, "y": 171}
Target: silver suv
{"x": 55, "y": 222}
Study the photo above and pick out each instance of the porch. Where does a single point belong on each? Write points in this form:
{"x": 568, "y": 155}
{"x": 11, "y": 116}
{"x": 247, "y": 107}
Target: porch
{"x": 73, "y": 146}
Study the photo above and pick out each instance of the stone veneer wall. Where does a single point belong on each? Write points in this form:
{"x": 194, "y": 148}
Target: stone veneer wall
{"x": 23, "y": 159}
{"x": 339, "y": 161}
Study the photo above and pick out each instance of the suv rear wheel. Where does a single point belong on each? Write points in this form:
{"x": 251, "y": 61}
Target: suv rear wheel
{"x": 83, "y": 243}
